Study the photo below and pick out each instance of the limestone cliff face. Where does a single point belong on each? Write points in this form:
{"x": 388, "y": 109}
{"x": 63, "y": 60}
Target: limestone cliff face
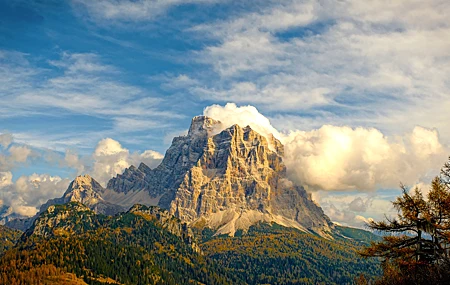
{"x": 162, "y": 182}
{"x": 240, "y": 179}
{"x": 225, "y": 179}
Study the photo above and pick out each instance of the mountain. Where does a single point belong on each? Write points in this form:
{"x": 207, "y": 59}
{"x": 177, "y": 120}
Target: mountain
{"x": 225, "y": 179}
{"x": 85, "y": 190}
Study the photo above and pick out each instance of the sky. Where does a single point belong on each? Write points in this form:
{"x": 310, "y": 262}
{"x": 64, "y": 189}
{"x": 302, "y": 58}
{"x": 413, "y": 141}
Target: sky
{"x": 357, "y": 91}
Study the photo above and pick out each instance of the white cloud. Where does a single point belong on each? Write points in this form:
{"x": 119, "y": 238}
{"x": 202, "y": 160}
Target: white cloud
{"x": 74, "y": 63}
{"x": 19, "y": 153}
{"x": 110, "y": 159}
{"x": 28, "y": 193}
{"x": 231, "y": 114}
{"x": 14, "y": 155}
{"x": 111, "y": 11}
{"x": 5, "y": 178}
{"x": 335, "y": 158}
{"x": 343, "y": 158}
{"x": 72, "y": 160}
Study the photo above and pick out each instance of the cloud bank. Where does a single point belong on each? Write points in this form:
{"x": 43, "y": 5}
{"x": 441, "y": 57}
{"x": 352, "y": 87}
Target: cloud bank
{"x": 336, "y": 158}
{"x": 24, "y": 196}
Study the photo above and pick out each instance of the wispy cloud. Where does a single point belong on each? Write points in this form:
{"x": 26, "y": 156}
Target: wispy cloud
{"x": 341, "y": 59}
{"x": 81, "y": 84}
{"x": 126, "y": 11}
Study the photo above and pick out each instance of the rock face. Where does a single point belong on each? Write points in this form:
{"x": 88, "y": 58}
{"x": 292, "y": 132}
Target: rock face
{"x": 240, "y": 179}
{"x": 226, "y": 180}
{"x": 163, "y": 182}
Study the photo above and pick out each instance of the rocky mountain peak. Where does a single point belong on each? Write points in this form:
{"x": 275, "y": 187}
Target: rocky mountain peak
{"x": 84, "y": 183}
{"x": 84, "y": 189}
{"x": 239, "y": 180}
{"x": 203, "y": 126}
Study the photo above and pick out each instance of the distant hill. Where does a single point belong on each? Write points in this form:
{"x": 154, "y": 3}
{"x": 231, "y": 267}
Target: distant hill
{"x": 354, "y": 234}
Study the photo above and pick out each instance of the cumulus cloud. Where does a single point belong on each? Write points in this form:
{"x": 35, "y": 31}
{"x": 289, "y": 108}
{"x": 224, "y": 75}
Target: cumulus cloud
{"x": 72, "y": 160}
{"x": 231, "y": 114}
{"x": 344, "y": 158}
{"x": 111, "y": 158}
{"x": 25, "y": 196}
{"x": 335, "y": 158}
{"x": 13, "y": 155}
{"x": 19, "y": 153}
{"x": 5, "y": 178}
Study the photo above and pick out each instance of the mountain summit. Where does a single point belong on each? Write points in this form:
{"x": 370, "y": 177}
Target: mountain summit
{"x": 223, "y": 178}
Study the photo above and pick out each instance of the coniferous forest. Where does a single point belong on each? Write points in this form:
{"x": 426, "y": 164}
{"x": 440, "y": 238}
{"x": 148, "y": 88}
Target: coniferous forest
{"x": 132, "y": 248}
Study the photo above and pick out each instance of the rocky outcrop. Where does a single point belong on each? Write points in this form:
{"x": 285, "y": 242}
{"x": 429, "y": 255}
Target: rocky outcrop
{"x": 168, "y": 222}
{"x": 84, "y": 189}
{"x": 162, "y": 182}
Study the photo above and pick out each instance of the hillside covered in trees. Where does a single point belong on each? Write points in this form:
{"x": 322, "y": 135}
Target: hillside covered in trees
{"x": 131, "y": 248}
{"x": 70, "y": 244}
{"x": 271, "y": 254}
{"x": 8, "y": 238}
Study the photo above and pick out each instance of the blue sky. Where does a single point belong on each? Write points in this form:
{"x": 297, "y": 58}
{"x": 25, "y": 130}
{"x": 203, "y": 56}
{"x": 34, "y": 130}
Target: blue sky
{"x": 75, "y": 73}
